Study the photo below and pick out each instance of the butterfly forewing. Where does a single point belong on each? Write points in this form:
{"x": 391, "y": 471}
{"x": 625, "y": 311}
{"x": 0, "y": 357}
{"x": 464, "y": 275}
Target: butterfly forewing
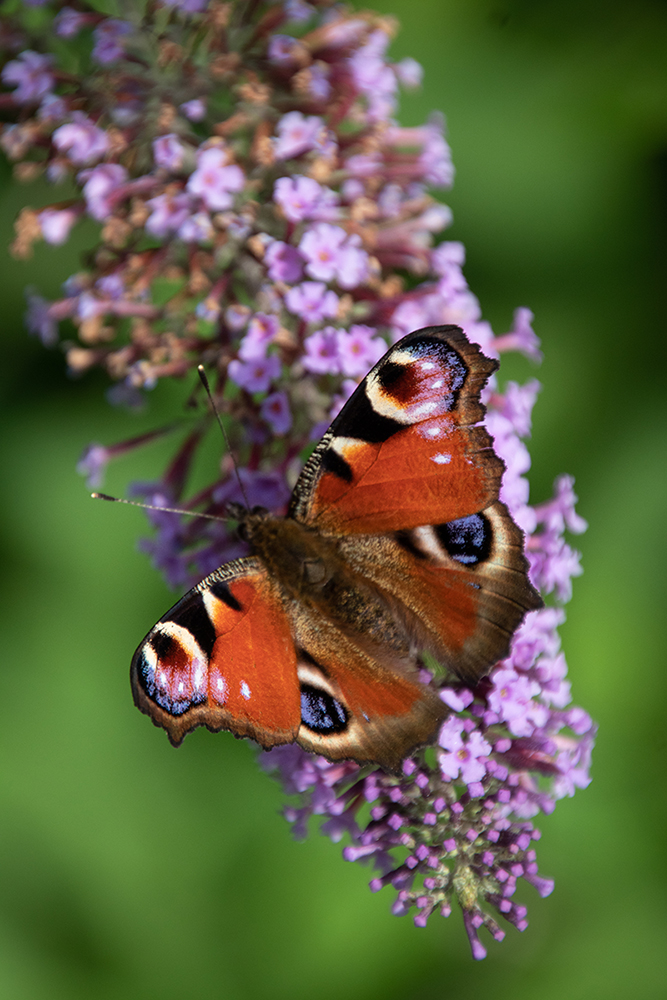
{"x": 404, "y": 450}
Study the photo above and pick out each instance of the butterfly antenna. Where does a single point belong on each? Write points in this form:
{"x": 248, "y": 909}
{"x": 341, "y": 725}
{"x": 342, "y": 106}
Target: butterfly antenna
{"x": 205, "y": 383}
{"x": 152, "y": 506}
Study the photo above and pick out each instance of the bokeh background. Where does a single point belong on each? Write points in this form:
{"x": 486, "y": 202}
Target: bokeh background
{"x": 128, "y": 869}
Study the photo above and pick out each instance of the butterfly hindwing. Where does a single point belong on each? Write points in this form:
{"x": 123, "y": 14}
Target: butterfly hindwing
{"x": 222, "y": 657}
{"x": 405, "y": 449}
{"x": 460, "y": 588}
{"x": 353, "y": 705}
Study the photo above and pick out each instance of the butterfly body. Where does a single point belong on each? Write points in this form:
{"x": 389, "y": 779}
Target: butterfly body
{"x": 394, "y": 544}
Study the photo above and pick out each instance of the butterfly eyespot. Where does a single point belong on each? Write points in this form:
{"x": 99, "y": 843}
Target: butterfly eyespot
{"x": 390, "y": 373}
{"x": 162, "y": 644}
{"x": 320, "y": 712}
{"x": 468, "y": 539}
{"x": 171, "y": 688}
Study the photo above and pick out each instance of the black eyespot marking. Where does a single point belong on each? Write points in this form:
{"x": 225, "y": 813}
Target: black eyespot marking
{"x": 220, "y": 590}
{"x": 162, "y": 643}
{"x": 406, "y": 540}
{"x": 163, "y": 695}
{"x": 360, "y": 420}
{"x": 320, "y": 712}
{"x": 468, "y": 539}
{"x": 389, "y": 373}
{"x": 191, "y": 614}
{"x": 336, "y": 464}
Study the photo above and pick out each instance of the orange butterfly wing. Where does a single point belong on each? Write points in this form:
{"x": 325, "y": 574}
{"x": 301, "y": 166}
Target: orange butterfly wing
{"x": 404, "y": 450}
{"x": 222, "y": 657}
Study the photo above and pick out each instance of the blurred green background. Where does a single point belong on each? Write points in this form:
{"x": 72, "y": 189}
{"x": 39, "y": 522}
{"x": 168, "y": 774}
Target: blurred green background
{"x": 129, "y": 869}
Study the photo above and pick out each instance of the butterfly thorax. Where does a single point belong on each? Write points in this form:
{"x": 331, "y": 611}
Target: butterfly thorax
{"x": 311, "y": 570}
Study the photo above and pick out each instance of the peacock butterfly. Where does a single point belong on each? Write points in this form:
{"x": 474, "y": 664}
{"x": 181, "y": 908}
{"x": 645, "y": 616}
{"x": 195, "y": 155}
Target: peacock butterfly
{"x": 395, "y": 544}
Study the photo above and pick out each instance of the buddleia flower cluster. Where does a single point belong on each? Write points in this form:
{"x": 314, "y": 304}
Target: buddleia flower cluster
{"x": 261, "y": 211}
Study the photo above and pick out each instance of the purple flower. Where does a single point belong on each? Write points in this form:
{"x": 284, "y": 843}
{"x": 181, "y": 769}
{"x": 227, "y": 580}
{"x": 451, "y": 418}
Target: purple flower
{"x": 262, "y": 328}
{"x": 535, "y": 636}
{"x": 466, "y": 759}
{"x": 521, "y": 337}
{"x": 187, "y": 6}
{"x": 262, "y": 488}
{"x": 169, "y": 152}
{"x": 448, "y": 256}
{"x": 298, "y": 133}
{"x": 108, "y": 47}
{"x": 168, "y": 213}
{"x": 436, "y": 157}
{"x": 333, "y": 255}
{"x": 359, "y": 349}
{"x": 31, "y": 75}
{"x": 100, "y": 184}
{"x": 81, "y": 140}
{"x": 284, "y": 262}
{"x": 559, "y": 513}
{"x": 93, "y": 464}
{"x": 111, "y": 285}
{"x": 412, "y": 314}
{"x": 312, "y": 301}
{"x": 276, "y": 412}
{"x": 321, "y": 352}
{"x": 512, "y": 701}
{"x": 56, "y": 224}
{"x": 321, "y": 248}
{"x": 516, "y": 404}
{"x": 68, "y": 22}
{"x": 52, "y": 109}
{"x": 283, "y": 50}
{"x": 215, "y": 180}
{"x": 553, "y": 565}
{"x": 196, "y": 228}
{"x": 318, "y": 85}
{"x": 194, "y": 110}
{"x": 303, "y": 198}
{"x": 551, "y": 672}
{"x": 88, "y": 306}
{"x": 237, "y": 317}
{"x": 298, "y": 10}
{"x": 373, "y": 77}
{"x": 410, "y": 73}
{"x": 256, "y": 374}
{"x": 39, "y": 319}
